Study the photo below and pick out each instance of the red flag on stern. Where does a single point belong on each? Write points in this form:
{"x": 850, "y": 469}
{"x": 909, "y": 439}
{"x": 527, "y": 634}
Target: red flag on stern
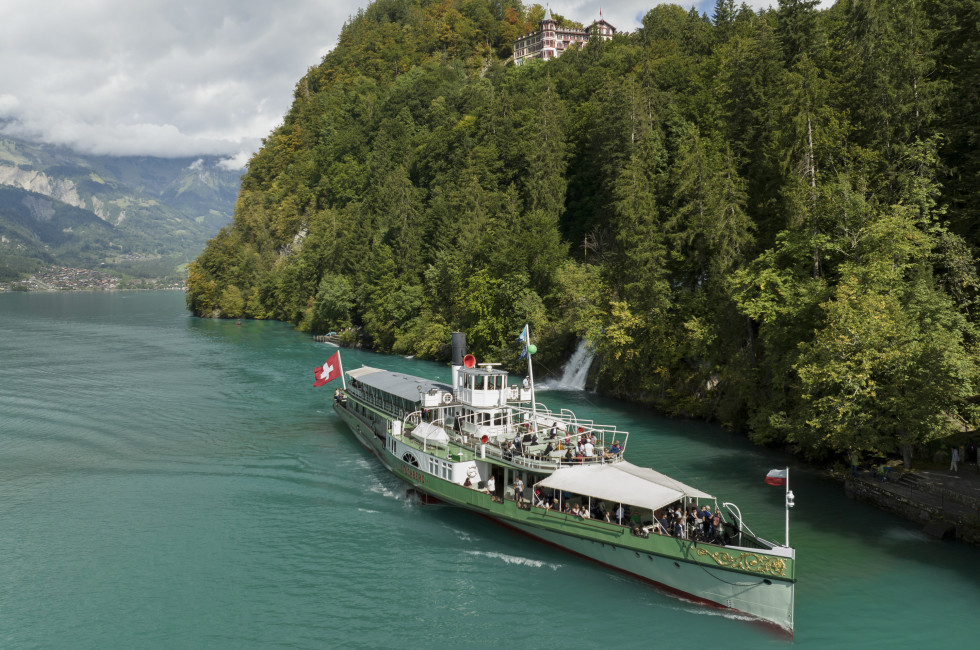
{"x": 776, "y": 477}
{"x": 328, "y": 371}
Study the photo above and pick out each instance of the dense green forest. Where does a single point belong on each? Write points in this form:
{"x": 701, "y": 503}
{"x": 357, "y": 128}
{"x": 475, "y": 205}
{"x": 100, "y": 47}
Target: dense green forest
{"x": 768, "y": 219}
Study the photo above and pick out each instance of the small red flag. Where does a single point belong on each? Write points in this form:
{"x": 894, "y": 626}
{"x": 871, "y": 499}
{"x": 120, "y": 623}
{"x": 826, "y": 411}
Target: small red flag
{"x": 776, "y": 477}
{"x": 328, "y": 371}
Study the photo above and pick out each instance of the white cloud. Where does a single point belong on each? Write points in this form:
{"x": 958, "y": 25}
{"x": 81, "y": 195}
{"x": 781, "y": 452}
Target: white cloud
{"x": 235, "y": 162}
{"x": 180, "y": 77}
{"x": 158, "y": 77}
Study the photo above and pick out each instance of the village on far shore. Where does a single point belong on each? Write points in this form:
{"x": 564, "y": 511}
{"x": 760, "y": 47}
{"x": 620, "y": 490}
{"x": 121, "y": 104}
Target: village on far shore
{"x": 62, "y": 278}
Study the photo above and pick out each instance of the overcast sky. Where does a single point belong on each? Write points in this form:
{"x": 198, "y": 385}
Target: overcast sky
{"x": 181, "y": 77}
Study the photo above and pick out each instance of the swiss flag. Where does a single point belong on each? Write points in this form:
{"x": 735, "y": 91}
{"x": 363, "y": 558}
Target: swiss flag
{"x": 328, "y": 371}
{"x": 776, "y": 477}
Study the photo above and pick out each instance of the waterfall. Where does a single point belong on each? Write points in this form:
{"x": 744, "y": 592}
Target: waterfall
{"x": 575, "y": 372}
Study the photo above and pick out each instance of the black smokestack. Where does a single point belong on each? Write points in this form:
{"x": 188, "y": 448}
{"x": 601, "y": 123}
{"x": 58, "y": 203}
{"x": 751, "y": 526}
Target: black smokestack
{"x": 459, "y": 348}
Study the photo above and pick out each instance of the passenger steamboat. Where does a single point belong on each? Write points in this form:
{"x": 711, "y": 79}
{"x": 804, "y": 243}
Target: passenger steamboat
{"x": 484, "y": 444}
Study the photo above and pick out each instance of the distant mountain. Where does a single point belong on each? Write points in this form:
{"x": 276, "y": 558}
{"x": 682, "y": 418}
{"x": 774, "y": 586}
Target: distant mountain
{"x": 61, "y": 207}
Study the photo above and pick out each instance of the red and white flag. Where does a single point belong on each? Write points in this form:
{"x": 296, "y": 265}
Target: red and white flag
{"x": 776, "y": 477}
{"x": 328, "y": 371}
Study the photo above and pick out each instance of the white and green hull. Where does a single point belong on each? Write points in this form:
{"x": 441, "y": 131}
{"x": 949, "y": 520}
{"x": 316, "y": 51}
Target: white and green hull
{"x": 754, "y": 582}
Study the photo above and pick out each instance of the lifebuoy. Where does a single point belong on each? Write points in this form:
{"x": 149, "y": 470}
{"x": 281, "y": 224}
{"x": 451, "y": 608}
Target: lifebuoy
{"x": 447, "y": 398}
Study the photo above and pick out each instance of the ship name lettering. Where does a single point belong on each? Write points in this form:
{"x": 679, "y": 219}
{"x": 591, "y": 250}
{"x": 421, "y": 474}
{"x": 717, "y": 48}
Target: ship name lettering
{"x": 413, "y": 474}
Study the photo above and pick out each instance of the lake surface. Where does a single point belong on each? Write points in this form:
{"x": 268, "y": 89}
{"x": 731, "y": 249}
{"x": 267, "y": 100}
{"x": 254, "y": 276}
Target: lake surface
{"x": 172, "y": 482}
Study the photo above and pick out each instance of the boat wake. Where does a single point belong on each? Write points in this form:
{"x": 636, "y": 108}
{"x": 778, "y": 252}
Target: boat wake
{"x": 513, "y": 559}
{"x": 385, "y": 491}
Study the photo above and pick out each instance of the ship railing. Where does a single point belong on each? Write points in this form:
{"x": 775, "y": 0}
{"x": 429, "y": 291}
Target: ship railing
{"x": 532, "y": 461}
{"x": 565, "y": 420}
{"x": 492, "y": 448}
{"x": 565, "y": 424}
{"x": 746, "y": 537}
{"x": 373, "y": 400}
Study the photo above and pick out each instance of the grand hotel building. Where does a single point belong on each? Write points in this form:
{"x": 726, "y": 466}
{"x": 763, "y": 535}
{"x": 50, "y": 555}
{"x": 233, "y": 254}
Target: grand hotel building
{"x": 552, "y": 39}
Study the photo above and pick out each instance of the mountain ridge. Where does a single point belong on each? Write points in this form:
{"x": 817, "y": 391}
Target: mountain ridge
{"x": 156, "y": 207}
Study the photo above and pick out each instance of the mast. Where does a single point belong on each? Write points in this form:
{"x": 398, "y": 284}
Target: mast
{"x": 790, "y": 502}
{"x": 528, "y": 351}
{"x": 534, "y": 404}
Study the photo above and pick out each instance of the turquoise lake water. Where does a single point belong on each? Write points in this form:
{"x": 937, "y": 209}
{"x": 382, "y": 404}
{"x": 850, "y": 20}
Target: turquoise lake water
{"x": 172, "y": 482}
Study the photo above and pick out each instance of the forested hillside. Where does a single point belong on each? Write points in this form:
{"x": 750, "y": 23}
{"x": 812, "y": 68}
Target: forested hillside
{"x": 768, "y": 219}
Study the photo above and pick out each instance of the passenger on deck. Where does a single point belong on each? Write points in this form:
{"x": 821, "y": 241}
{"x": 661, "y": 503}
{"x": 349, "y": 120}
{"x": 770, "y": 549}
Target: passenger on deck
{"x": 518, "y": 490}
{"x": 718, "y": 531}
{"x": 588, "y": 449}
{"x": 614, "y": 449}
{"x": 664, "y": 523}
{"x": 693, "y": 520}
{"x": 491, "y": 485}
{"x": 708, "y": 527}
{"x": 575, "y": 511}
{"x": 705, "y": 515}
{"x": 569, "y": 455}
{"x": 538, "y": 498}
{"x": 547, "y": 450}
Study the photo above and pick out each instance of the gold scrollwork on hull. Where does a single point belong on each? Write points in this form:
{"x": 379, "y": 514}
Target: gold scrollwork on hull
{"x": 772, "y": 566}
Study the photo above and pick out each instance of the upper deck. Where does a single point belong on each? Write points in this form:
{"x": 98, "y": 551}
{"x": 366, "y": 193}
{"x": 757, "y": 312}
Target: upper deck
{"x": 482, "y": 416}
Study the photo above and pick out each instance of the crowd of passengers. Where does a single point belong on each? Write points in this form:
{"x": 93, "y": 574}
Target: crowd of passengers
{"x": 577, "y": 449}
{"x": 694, "y": 524}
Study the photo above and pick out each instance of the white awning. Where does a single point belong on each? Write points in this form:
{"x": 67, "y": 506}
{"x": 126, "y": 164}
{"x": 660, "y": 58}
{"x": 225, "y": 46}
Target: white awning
{"x": 430, "y": 434}
{"x": 622, "y": 483}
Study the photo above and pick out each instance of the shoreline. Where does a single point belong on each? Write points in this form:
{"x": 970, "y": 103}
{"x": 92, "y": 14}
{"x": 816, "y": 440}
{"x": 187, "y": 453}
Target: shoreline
{"x": 946, "y": 504}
